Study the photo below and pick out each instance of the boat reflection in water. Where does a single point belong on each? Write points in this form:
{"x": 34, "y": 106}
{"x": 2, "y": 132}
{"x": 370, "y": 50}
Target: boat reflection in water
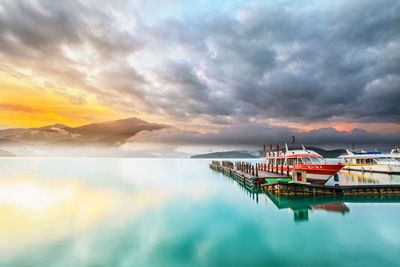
{"x": 302, "y": 206}
{"x": 358, "y": 177}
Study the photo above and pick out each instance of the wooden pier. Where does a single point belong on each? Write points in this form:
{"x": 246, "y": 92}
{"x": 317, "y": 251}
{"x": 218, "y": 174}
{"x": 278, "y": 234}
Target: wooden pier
{"x": 279, "y": 184}
{"x": 250, "y": 175}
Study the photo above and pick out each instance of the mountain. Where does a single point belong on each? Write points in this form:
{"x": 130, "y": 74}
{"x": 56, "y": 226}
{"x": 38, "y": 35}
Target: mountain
{"x": 114, "y": 131}
{"x": 12, "y": 131}
{"x": 110, "y": 133}
{"x": 57, "y": 125}
{"x": 4, "y": 153}
{"x": 256, "y": 154}
{"x": 327, "y": 153}
{"x": 225, "y": 154}
{"x": 323, "y": 152}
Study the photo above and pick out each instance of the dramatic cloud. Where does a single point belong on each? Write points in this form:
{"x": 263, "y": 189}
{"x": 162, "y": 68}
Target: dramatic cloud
{"x": 253, "y": 136}
{"x": 309, "y": 62}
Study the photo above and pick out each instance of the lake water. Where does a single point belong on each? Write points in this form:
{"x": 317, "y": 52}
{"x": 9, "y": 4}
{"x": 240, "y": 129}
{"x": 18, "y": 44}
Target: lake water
{"x": 178, "y": 212}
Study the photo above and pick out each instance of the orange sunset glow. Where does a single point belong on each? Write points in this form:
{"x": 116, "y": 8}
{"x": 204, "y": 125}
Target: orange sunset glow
{"x": 25, "y": 104}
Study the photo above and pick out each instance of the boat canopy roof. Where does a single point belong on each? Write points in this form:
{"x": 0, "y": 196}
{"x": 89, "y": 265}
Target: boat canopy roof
{"x": 367, "y": 153}
{"x": 293, "y": 154}
{"x": 364, "y": 154}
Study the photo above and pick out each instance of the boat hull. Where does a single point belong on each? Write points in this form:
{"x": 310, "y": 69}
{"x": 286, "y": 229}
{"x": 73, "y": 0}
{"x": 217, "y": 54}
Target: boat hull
{"x": 315, "y": 173}
{"x": 319, "y": 173}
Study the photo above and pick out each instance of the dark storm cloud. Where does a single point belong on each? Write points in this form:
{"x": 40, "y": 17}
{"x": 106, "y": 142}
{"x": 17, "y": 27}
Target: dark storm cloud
{"x": 322, "y": 64}
{"x": 251, "y": 135}
{"x": 290, "y": 62}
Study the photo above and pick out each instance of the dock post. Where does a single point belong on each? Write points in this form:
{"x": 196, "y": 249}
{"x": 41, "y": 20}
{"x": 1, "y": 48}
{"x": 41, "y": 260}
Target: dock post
{"x": 282, "y": 169}
{"x": 277, "y": 171}
{"x": 257, "y": 171}
{"x": 287, "y": 170}
{"x": 252, "y": 169}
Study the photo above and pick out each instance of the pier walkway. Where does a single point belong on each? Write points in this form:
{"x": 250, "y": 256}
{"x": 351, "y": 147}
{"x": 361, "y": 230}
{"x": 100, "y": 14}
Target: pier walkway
{"x": 282, "y": 185}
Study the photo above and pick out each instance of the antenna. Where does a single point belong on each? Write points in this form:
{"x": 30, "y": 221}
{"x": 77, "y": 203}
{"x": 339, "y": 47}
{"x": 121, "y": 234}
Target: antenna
{"x": 302, "y": 146}
{"x": 286, "y": 146}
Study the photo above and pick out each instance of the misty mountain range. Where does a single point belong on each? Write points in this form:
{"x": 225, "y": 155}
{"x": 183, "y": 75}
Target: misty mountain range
{"x": 111, "y": 134}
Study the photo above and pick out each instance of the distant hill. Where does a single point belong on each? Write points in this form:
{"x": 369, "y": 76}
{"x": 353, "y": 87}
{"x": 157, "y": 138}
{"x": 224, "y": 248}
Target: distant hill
{"x": 323, "y": 152}
{"x": 114, "y": 131}
{"x": 256, "y": 154}
{"x": 225, "y": 154}
{"x": 327, "y": 153}
{"x": 4, "y": 153}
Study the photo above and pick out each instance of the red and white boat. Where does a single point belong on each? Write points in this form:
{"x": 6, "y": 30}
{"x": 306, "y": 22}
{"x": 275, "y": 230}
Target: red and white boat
{"x": 315, "y": 166}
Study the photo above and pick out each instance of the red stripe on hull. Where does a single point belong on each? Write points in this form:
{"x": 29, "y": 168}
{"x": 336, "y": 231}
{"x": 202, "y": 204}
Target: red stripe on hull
{"x": 313, "y": 168}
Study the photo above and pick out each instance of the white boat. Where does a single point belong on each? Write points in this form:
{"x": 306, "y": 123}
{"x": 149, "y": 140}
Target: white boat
{"x": 369, "y": 162}
{"x": 315, "y": 166}
{"x": 395, "y": 153}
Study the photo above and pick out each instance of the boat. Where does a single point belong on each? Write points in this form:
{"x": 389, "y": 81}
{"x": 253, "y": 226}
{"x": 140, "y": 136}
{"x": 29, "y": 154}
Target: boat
{"x": 316, "y": 169}
{"x": 364, "y": 161}
{"x": 395, "y": 153}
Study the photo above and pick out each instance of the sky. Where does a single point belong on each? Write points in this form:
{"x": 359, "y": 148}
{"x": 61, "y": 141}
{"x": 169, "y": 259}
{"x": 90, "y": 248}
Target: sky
{"x": 204, "y": 66}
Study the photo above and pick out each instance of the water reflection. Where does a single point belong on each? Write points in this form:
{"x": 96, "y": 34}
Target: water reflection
{"x": 302, "y": 206}
{"x": 332, "y": 204}
{"x": 174, "y": 212}
{"x": 253, "y": 193}
{"x": 61, "y": 209}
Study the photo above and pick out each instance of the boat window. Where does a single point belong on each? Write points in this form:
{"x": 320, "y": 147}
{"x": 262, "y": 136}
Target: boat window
{"x": 388, "y": 159}
{"x": 299, "y": 161}
{"x": 307, "y": 160}
{"x": 290, "y": 161}
{"x": 316, "y": 160}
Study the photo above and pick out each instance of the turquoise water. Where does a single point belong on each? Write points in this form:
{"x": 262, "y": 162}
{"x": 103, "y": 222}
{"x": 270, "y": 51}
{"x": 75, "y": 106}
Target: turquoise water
{"x": 178, "y": 212}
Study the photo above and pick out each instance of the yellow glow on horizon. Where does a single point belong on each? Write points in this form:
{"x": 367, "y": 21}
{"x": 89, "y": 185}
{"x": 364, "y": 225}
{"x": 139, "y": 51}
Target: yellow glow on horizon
{"x": 24, "y": 104}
